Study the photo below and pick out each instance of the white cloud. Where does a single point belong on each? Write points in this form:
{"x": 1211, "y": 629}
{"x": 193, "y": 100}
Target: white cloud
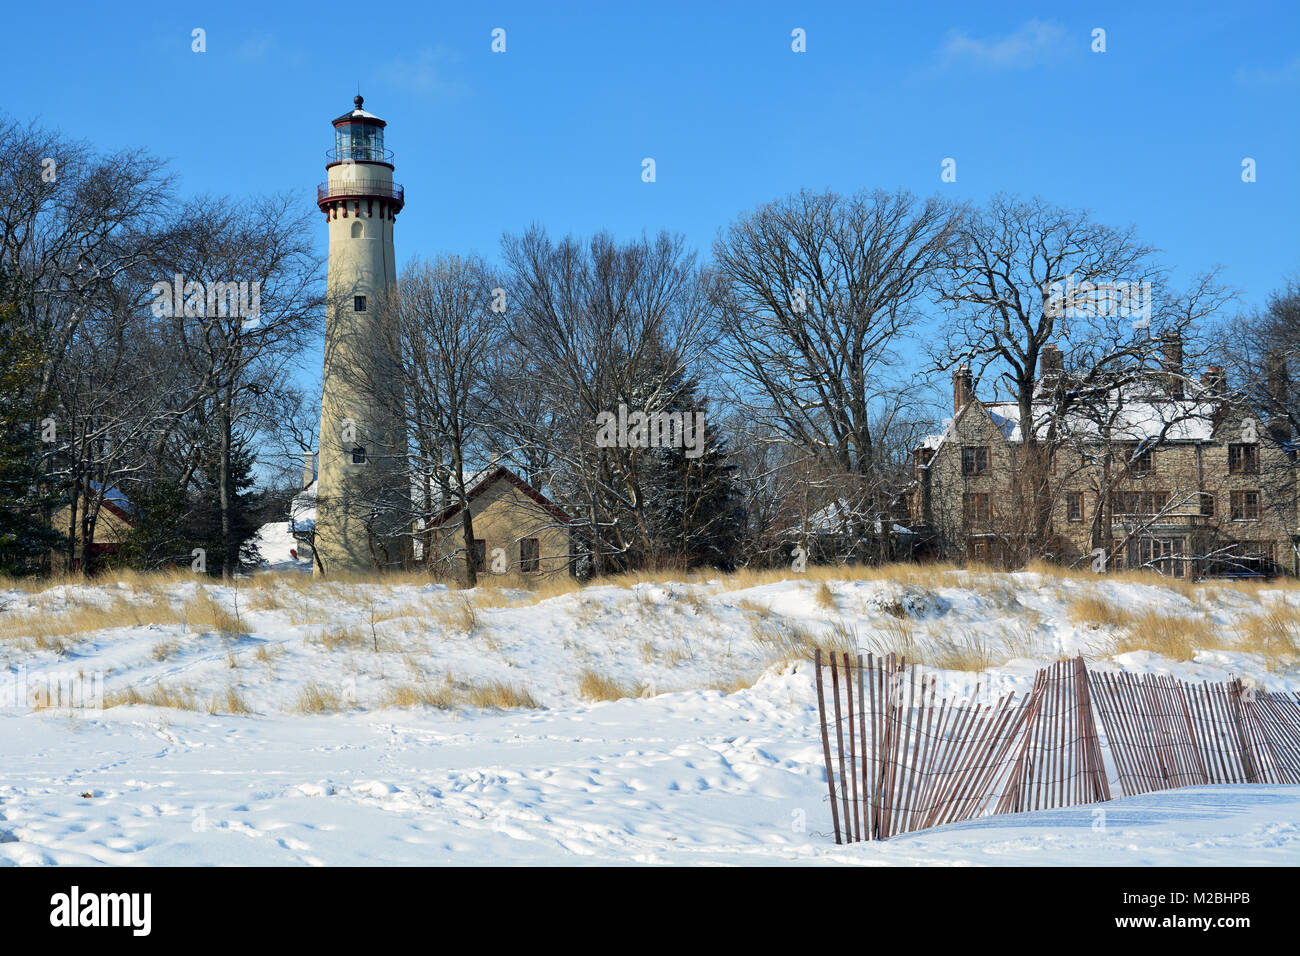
{"x": 426, "y": 73}
{"x": 1033, "y": 43}
{"x": 1288, "y": 74}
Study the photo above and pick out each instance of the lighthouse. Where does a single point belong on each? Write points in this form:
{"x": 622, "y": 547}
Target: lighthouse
{"x": 362, "y": 496}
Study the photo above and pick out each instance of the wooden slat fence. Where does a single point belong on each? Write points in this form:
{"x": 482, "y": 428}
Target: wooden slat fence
{"x": 898, "y": 760}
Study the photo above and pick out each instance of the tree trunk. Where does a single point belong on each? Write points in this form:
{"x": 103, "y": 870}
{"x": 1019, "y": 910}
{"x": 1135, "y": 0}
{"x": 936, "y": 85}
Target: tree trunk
{"x": 225, "y": 496}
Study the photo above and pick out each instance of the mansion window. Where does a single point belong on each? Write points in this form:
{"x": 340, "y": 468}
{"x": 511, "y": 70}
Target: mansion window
{"x": 358, "y": 303}
{"x": 1141, "y": 502}
{"x": 1243, "y": 459}
{"x": 1074, "y": 505}
{"x": 978, "y": 509}
{"x": 358, "y": 455}
{"x": 1245, "y": 506}
{"x": 1207, "y": 504}
{"x": 1164, "y": 555}
{"x": 1143, "y": 461}
{"x": 1258, "y": 550}
{"x": 529, "y": 555}
{"x": 974, "y": 460}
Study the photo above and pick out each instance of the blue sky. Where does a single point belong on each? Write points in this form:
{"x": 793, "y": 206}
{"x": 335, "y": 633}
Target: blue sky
{"x": 1152, "y": 132}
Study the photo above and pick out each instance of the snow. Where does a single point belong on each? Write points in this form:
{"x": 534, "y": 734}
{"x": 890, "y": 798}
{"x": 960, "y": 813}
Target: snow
{"x": 279, "y": 548}
{"x": 684, "y": 774}
{"x": 113, "y": 496}
{"x": 1134, "y": 419}
{"x": 1179, "y": 420}
{"x": 302, "y": 510}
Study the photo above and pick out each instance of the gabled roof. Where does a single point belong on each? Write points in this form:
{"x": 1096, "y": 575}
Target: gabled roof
{"x": 113, "y": 501}
{"x": 1181, "y": 420}
{"x": 1135, "y": 420}
{"x": 485, "y": 480}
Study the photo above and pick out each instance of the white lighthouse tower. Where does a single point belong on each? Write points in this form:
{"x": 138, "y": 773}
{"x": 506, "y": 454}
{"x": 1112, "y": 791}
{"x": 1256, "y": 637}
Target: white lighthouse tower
{"x": 361, "y": 486}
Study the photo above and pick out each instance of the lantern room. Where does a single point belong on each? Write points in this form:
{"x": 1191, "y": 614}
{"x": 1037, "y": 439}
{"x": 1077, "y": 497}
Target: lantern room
{"x": 359, "y": 137}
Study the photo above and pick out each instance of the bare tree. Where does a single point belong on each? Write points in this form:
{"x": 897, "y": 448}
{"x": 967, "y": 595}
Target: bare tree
{"x": 818, "y": 291}
{"x": 446, "y": 330}
{"x": 235, "y": 357}
{"x": 602, "y": 323}
{"x": 1027, "y": 276}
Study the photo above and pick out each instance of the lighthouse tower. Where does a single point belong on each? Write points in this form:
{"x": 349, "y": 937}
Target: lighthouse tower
{"x": 361, "y": 486}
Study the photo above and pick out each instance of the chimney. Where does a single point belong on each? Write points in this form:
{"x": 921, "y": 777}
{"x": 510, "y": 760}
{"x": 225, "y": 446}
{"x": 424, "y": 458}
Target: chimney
{"x": 308, "y": 468}
{"x": 1215, "y": 381}
{"x": 1172, "y": 363}
{"x": 1051, "y": 364}
{"x": 1279, "y": 389}
{"x": 962, "y": 389}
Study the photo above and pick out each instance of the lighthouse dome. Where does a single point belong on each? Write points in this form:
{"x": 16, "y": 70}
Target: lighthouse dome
{"x": 359, "y": 136}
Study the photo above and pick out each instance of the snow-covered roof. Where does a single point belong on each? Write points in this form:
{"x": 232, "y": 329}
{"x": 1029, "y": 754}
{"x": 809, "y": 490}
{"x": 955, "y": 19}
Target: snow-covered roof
{"x": 836, "y": 515}
{"x": 1132, "y": 420}
{"x": 1178, "y": 420}
{"x": 113, "y": 497}
{"x": 302, "y": 510}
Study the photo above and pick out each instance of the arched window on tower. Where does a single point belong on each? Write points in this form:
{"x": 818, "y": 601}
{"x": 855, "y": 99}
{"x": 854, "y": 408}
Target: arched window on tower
{"x": 358, "y": 230}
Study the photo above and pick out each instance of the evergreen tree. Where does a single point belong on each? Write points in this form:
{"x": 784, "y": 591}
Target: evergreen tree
{"x": 163, "y": 527}
{"x": 692, "y": 509}
{"x": 26, "y": 500}
{"x": 245, "y": 510}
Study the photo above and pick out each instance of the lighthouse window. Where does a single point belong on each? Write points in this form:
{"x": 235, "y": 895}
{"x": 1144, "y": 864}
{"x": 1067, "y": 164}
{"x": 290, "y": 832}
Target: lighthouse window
{"x": 358, "y": 455}
{"x": 358, "y": 303}
{"x": 358, "y": 230}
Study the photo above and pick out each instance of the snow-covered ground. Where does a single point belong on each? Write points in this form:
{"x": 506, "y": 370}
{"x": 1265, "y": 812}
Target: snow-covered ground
{"x": 301, "y": 743}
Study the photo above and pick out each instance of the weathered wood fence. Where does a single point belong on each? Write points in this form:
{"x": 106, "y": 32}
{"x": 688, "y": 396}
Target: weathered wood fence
{"x": 897, "y": 760}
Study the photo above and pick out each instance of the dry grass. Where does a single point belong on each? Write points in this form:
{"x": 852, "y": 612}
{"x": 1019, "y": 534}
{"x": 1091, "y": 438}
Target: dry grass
{"x": 462, "y": 615}
{"x": 1096, "y": 610}
{"x": 501, "y": 695}
{"x": 734, "y": 684}
{"x": 538, "y": 587}
{"x": 57, "y": 620}
{"x": 315, "y": 699}
{"x": 760, "y": 611}
{"x": 351, "y": 637}
{"x": 1274, "y": 636}
{"x": 783, "y": 641}
{"x": 1175, "y": 636}
{"x": 158, "y": 695}
{"x": 1019, "y": 639}
{"x": 452, "y": 693}
{"x": 420, "y": 695}
{"x": 825, "y": 597}
{"x": 230, "y": 703}
{"x": 206, "y": 616}
{"x": 595, "y": 686}
{"x": 895, "y": 637}
{"x": 967, "y": 651}
{"x": 150, "y": 582}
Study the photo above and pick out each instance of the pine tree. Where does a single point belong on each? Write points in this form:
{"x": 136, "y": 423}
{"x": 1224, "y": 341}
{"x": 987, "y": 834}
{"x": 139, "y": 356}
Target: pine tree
{"x": 692, "y": 508}
{"x": 26, "y": 536}
{"x": 244, "y": 511}
{"x": 163, "y": 531}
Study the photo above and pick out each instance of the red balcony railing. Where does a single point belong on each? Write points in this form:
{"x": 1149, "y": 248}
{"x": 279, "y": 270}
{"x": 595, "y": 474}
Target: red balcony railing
{"x": 365, "y": 188}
